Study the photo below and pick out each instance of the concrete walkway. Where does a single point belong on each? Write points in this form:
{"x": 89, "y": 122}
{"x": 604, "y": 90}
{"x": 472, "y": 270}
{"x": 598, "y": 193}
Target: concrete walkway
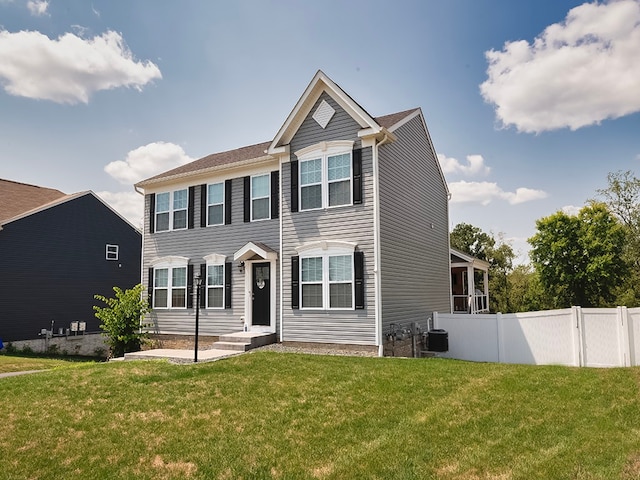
{"x": 14, "y": 374}
{"x": 180, "y": 356}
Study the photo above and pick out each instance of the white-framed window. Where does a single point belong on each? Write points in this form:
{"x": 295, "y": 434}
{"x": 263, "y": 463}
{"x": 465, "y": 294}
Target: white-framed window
{"x": 215, "y": 281}
{"x": 325, "y": 175}
{"x": 112, "y": 252}
{"x": 215, "y": 204}
{"x": 327, "y": 276}
{"x": 261, "y": 197}
{"x": 171, "y": 210}
{"x": 170, "y": 283}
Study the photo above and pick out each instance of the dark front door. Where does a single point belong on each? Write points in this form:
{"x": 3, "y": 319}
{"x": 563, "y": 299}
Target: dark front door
{"x": 261, "y": 294}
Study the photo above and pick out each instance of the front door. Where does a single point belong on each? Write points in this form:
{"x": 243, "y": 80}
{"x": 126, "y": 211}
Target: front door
{"x": 261, "y": 302}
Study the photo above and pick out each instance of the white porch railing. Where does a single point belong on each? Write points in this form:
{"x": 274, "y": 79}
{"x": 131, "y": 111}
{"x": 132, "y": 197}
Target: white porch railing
{"x": 591, "y": 337}
{"x": 470, "y": 304}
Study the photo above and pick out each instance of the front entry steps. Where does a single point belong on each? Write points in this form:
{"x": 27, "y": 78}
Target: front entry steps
{"x": 244, "y": 341}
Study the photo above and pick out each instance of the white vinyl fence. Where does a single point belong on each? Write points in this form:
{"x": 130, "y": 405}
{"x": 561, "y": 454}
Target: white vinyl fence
{"x": 585, "y": 337}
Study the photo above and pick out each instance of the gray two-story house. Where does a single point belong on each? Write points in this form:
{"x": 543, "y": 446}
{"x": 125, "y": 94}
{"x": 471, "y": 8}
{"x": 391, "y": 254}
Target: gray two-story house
{"x": 331, "y": 232}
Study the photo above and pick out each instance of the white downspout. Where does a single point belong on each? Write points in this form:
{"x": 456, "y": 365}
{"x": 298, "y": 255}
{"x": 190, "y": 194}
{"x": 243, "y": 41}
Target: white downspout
{"x": 376, "y": 244}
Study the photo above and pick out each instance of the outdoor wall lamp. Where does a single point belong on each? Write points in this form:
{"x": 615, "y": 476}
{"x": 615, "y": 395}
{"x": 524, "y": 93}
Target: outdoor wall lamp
{"x": 241, "y": 267}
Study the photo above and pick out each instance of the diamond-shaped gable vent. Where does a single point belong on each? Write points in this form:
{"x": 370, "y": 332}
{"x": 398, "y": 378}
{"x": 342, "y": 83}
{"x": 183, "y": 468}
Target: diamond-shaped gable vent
{"x": 323, "y": 114}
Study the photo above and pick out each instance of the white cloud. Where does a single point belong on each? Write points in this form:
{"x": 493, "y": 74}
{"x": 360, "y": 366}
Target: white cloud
{"x": 574, "y": 74}
{"x": 485, "y": 192}
{"x": 147, "y": 161}
{"x": 475, "y": 165}
{"x": 128, "y": 204}
{"x": 38, "y": 8}
{"x": 571, "y": 209}
{"x": 70, "y": 68}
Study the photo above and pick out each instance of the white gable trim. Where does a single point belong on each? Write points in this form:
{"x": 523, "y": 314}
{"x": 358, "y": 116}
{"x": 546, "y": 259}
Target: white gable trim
{"x": 251, "y": 249}
{"x": 319, "y": 84}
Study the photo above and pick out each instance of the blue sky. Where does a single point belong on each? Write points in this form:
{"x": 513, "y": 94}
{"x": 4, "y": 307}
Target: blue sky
{"x": 529, "y": 103}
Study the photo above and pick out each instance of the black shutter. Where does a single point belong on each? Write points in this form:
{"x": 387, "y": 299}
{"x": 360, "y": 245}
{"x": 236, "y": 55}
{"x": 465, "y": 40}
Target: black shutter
{"x": 358, "y": 268}
{"x": 295, "y": 283}
{"x": 227, "y": 284}
{"x": 247, "y": 199}
{"x": 190, "y": 290}
{"x": 203, "y": 292}
{"x": 227, "y": 202}
{"x": 357, "y": 176}
{"x": 190, "y": 213}
{"x": 203, "y": 205}
{"x": 152, "y": 213}
{"x": 275, "y": 194}
{"x": 150, "y": 288}
{"x": 294, "y": 186}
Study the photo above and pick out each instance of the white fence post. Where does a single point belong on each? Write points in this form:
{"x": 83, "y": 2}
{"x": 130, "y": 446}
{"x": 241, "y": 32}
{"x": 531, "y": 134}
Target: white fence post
{"x": 500, "y": 331}
{"x": 623, "y": 336}
{"x": 578, "y": 343}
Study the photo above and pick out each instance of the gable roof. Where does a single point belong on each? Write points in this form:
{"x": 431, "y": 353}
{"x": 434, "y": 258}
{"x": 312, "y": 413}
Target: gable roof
{"x": 17, "y": 198}
{"x": 458, "y": 257}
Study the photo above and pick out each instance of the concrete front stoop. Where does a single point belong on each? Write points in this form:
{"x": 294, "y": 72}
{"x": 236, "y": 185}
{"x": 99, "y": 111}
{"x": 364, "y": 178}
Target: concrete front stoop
{"x": 244, "y": 341}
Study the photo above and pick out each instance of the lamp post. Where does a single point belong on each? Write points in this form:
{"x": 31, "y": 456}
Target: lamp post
{"x": 198, "y": 283}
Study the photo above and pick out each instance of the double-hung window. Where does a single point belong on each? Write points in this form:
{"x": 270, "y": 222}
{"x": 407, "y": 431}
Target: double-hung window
{"x": 327, "y": 276}
{"x": 261, "y": 197}
{"x": 170, "y": 287}
{"x": 325, "y": 175}
{"x": 215, "y": 204}
{"x": 171, "y": 210}
{"x": 215, "y": 286}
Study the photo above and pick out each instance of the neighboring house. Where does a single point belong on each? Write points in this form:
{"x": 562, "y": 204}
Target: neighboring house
{"x": 331, "y": 232}
{"x": 469, "y": 283}
{"x": 58, "y": 251}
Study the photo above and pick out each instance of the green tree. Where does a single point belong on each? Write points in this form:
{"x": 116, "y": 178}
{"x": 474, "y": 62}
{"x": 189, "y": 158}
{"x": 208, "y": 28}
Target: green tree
{"x": 122, "y": 319}
{"x": 578, "y": 258}
{"x": 622, "y": 196}
{"x": 526, "y": 293}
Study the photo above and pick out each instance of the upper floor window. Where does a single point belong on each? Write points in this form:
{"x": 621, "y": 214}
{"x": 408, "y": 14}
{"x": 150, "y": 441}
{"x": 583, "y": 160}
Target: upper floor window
{"x": 215, "y": 204}
{"x": 325, "y": 175}
{"x": 112, "y": 252}
{"x": 260, "y": 197}
{"x": 171, "y": 210}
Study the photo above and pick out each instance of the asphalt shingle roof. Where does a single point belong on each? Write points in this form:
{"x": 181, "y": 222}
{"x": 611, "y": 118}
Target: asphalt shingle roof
{"x": 17, "y": 198}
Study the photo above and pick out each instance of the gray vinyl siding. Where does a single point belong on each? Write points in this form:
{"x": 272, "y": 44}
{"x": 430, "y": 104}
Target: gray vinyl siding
{"x": 414, "y": 256}
{"x": 353, "y": 223}
{"x": 195, "y": 244}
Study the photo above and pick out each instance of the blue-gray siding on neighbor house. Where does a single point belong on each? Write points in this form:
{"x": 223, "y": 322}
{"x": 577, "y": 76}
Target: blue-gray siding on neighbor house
{"x": 195, "y": 244}
{"x": 54, "y": 262}
{"x": 414, "y": 234}
{"x": 351, "y": 223}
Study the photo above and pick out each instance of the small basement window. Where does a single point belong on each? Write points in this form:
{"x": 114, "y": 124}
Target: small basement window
{"x": 112, "y": 252}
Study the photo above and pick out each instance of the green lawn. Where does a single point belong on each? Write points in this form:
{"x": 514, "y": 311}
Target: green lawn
{"x": 275, "y": 415}
{"x": 18, "y": 363}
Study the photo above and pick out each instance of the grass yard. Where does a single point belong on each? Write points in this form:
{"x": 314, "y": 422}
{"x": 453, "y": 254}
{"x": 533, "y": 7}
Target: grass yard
{"x": 17, "y": 363}
{"x": 275, "y": 415}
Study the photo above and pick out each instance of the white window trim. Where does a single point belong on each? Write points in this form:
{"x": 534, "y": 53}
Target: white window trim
{"x": 171, "y": 211}
{"x": 170, "y": 263}
{"x": 211, "y": 260}
{"x": 209, "y": 204}
{"x": 111, "y": 250}
{"x": 251, "y": 199}
{"x": 323, "y": 151}
{"x": 326, "y": 249}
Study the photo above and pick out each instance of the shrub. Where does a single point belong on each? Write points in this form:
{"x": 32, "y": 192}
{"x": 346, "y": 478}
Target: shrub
{"x": 122, "y": 320}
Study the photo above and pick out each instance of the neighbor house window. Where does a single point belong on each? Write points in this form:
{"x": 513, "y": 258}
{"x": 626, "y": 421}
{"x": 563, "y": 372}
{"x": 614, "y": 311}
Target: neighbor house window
{"x": 171, "y": 210}
{"x": 261, "y": 197}
{"x": 325, "y": 175}
{"x": 170, "y": 287}
{"x": 215, "y": 204}
{"x": 112, "y": 252}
